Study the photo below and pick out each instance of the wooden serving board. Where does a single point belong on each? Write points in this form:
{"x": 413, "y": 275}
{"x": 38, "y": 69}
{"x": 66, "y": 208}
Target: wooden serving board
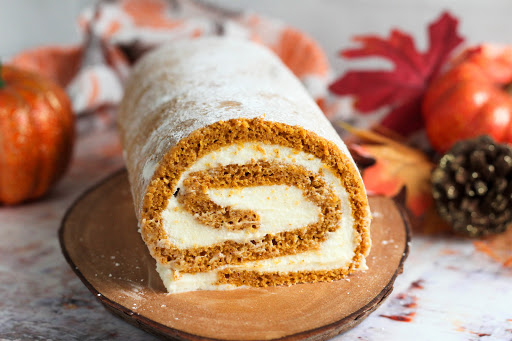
{"x": 100, "y": 241}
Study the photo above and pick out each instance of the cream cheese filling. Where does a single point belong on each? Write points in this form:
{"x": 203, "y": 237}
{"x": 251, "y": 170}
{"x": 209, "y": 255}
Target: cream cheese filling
{"x": 281, "y": 208}
{"x": 332, "y": 254}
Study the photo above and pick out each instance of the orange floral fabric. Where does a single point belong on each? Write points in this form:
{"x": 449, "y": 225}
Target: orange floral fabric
{"x": 118, "y": 33}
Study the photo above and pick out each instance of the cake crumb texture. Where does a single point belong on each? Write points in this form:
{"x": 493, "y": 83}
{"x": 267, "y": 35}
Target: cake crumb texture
{"x": 191, "y": 98}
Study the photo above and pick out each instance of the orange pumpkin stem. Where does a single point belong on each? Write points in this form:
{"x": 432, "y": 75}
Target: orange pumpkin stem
{"x": 2, "y": 82}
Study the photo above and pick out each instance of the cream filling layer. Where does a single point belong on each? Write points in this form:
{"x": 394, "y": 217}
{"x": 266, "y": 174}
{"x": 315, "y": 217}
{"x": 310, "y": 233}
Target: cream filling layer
{"x": 281, "y": 208}
{"x": 293, "y": 211}
{"x": 332, "y": 254}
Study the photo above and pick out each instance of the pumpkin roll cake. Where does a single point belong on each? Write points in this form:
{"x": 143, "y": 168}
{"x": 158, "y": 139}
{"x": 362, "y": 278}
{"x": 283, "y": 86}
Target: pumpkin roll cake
{"x": 238, "y": 179}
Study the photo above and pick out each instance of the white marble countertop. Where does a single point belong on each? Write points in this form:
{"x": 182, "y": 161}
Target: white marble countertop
{"x": 447, "y": 291}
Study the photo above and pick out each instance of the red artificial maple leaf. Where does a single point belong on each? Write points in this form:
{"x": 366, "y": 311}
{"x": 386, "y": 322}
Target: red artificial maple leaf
{"x": 403, "y": 87}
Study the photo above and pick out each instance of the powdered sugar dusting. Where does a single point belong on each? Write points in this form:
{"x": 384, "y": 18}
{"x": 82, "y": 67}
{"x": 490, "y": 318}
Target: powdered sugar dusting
{"x": 149, "y": 169}
{"x": 185, "y": 86}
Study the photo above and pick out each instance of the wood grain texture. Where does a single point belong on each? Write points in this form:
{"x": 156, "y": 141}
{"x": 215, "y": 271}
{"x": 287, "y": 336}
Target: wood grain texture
{"x": 100, "y": 241}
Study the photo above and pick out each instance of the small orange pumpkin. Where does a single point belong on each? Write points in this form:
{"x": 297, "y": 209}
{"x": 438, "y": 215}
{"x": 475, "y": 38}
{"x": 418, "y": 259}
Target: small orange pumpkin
{"x": 472, "y": 98}
{"x": 36, "y": 134}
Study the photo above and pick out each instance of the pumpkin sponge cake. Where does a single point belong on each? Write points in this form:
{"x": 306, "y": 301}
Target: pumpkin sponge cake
{"x": 237, "y": 177}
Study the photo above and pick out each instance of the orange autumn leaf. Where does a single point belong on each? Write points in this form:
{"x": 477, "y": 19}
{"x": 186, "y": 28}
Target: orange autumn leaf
{"x": 431, "y": 223}
{"x": 396, "y": 165}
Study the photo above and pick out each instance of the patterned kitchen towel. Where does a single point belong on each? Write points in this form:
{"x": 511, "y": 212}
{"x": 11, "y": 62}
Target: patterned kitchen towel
{"x": 117, "y": 33}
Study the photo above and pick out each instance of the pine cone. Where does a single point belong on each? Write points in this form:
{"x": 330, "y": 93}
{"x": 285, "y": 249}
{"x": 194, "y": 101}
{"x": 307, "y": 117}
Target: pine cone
{"x": 472, "y": 186}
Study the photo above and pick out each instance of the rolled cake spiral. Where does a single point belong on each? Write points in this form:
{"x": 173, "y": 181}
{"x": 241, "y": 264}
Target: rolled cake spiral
{"x": 237, "y": 177}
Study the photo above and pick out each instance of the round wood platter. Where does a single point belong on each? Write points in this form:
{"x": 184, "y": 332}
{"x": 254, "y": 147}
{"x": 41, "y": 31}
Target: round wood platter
{"x": 100, "y": 240}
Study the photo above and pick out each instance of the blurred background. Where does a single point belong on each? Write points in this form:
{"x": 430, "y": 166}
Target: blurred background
{"x": 455, "y": 277}
{"x": 29, "y": 23}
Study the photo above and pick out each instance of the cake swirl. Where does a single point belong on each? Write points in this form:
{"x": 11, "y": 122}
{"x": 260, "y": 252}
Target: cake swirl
{"x": 238, "y": 179}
